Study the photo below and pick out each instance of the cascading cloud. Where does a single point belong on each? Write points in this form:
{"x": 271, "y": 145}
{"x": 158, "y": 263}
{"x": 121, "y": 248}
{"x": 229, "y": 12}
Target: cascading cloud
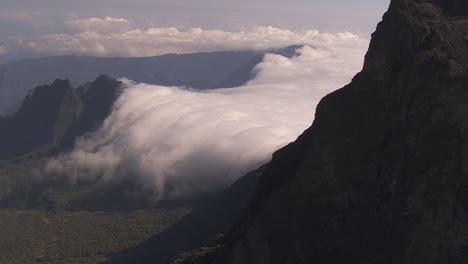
{"x": 195, "y": 141}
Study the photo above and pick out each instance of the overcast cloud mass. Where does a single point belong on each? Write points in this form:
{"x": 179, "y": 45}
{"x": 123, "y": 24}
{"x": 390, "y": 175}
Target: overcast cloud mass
{"x": 144, "y": 28}
{"x": 114, "y": 37}
{"x": 198, "y": 140}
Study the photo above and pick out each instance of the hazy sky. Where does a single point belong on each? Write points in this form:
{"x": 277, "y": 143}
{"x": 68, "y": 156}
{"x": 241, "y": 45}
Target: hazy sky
{"x": 27, "y": 24}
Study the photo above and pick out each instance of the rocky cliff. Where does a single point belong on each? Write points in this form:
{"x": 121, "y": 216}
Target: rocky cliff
{"x": 381, "y": 175}
{"x": 44, "y": 118}
{"x": 51, "y": 116}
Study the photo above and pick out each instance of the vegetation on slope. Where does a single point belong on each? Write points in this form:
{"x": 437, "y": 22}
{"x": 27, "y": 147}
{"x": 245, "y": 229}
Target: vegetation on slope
{"x": 33, "y": 236}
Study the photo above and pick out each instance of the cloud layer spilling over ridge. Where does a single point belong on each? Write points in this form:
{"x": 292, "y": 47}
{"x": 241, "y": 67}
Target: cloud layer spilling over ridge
{"x": 110, "y": 36}
{"x": 179, "y": 142}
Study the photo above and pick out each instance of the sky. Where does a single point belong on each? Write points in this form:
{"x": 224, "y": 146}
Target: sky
{"x": 32, "y": 28}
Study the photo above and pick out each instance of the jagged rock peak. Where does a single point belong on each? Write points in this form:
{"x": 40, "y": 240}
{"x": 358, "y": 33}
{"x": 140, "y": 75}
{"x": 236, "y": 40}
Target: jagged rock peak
{"x": 415, "y": 31}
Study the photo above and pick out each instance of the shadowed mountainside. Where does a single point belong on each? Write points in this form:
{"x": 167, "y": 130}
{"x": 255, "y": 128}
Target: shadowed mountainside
{"x": 53, "y": 115}
{"x": 49, "y": 120}
{"x": 381, "y": 176}
{"x": 44, "y": 118}
{"x": 210, "y": 219}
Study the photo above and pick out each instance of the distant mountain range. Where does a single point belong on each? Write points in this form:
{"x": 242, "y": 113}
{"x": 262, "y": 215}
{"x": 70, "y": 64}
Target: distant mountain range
{"x": 198, "y": 70}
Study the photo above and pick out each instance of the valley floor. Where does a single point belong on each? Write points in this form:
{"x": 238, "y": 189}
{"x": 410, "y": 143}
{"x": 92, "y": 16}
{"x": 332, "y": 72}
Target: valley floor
{"x": 35, "y": 236}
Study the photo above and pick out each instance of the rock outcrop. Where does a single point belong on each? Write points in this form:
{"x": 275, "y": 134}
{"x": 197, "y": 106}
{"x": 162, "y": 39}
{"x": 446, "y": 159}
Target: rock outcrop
{"x": 44, "y": 118}
{"x": 382, "y": 174}
{"x": 52, "y": 116}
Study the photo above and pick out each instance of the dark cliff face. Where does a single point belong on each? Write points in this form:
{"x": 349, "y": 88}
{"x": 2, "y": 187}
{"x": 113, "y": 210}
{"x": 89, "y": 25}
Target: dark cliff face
{"x": 381, "y": 175}
{"x": 44, "y": 118}
{"x": 52, "y": 116}
{"x": 49, "y": 121}
{"x": 453, "y": 7}
{"x": 97, "y": 100}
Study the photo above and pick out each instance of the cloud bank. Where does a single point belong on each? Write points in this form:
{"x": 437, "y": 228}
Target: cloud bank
{"x": 99, "y": 25}
{"x": 113, "y": 36}
{"x": 179, "y": 142}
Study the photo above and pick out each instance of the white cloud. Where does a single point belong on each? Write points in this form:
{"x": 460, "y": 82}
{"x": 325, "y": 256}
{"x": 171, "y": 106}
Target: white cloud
{"x": 101, "y": 25}
{"x": 36, "y": 34}
{"x": 115, "y": 37}
{"x": 196, "y": 140}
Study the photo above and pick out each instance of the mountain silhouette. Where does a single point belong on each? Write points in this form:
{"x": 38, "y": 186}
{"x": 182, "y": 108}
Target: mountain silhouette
{"x": 52, "y": 116}
{"x": 381, "y": 175}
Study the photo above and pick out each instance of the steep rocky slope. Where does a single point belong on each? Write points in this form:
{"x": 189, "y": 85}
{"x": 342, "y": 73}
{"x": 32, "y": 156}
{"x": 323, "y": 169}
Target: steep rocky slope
{"x": 53, "y": 115}
{"x": 44, "y": 118}
{"x": 49, "y": 120}
{"x": 97, "y": 100}
{"x": 381, "y": 175}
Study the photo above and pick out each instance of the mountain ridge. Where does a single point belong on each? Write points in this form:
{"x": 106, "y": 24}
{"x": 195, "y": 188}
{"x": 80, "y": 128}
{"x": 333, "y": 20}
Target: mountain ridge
{"x": 48, "y": 111}
{"x": 381, "y": 175}
{"x": 205, "y": 70}
{"x": 55, "y": 114}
